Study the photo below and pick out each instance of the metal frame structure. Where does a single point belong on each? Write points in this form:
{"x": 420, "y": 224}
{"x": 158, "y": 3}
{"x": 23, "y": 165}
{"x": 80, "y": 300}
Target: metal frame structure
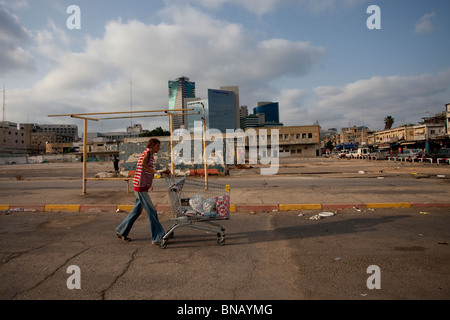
{"x": 170, "y": 113}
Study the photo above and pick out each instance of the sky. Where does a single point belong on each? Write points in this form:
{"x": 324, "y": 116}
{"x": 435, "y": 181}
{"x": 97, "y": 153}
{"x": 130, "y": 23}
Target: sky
{"x": 321, "y": 60}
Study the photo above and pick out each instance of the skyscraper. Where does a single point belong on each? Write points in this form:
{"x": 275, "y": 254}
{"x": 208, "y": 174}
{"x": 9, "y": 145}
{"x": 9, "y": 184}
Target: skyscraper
{"x": 270, "y": 111}
{"x": 222, "y": 110}
{"x": 180, "y": 89}
{"x": 235, "y": 89}
{"x": 193, "y": 118}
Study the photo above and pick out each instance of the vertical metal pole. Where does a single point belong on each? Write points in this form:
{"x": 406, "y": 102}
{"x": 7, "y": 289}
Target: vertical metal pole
{"x": 172, "y": 166}
{"x": 204, "y": 148}
{"x": 84, "y": 156}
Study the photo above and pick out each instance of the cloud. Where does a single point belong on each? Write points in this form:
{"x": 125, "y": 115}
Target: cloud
{"x": 15, "y": 5}
{"x": 189, "y": 42}
{"x": 12, "y": 35}
{"x": 51, "y": 42}
{"x": 425, "y": 24}
{"x": 369, "y": 101}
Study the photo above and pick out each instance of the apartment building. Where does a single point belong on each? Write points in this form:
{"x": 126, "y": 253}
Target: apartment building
{"x": 31, "y": 138}
{"x": 354, "y": 134}
{"x": 12, "y": 138}
{"x": 407, "y": 135}
{"x": 295, "y": 141}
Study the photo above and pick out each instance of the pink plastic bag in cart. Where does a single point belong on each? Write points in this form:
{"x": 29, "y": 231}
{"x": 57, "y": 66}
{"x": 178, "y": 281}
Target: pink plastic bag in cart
{"x": 222, "y": 205}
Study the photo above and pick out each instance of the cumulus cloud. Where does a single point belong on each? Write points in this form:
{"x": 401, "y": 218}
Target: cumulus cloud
{"x": 51, "y": 42}
{"x": 189, "y": 42}
{"x": 12, "y": 35}
{"x": 371, "y": 100}
{"x": 425, "y": 24}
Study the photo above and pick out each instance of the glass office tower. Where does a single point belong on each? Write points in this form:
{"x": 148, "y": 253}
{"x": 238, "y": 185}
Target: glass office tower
{"x": 270, "y": 111}
{"x": 179, "y": 90}
{"x": 194, "y": 127}
{"x": 221, "y": 110}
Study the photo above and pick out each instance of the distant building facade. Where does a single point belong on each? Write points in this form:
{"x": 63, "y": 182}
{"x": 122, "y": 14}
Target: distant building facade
{"x": 31, "y": 138}
{"x": 222, "y": 110}
{"x": 270, "y": 110}
{"x": 180, "y": 89}
{"x": 295, "y": 141}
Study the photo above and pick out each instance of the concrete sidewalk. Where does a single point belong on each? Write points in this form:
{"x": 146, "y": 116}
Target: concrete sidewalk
{"x": 253, "y": 208}
{"x": 57, "y": 188}
{"x": 242, "y": 199}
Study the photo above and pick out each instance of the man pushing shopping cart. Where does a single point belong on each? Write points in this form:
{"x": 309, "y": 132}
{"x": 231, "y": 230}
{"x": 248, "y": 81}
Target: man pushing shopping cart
{"x": 193, "y": 203}
{"x": 196, "y": 205}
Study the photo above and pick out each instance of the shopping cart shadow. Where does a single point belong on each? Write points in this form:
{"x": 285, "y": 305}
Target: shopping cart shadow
{"x": 309, "y": 229}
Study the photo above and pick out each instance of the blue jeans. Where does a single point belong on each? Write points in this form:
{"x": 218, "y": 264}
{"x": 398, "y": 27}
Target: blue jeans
{"x": 143, "y": 201}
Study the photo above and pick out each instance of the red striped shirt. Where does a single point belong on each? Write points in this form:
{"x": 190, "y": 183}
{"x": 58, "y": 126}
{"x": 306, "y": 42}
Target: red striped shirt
{"x": 143, "y": 179}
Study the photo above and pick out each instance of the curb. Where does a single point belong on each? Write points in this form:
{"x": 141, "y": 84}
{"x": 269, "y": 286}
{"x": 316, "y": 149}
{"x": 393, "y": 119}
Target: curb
{"x": 258, "y": 208}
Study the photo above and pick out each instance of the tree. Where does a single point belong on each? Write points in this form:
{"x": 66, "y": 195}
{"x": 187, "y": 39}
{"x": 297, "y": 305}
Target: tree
{"x": 158, "y": 132}
{"x": 388, "y": 122}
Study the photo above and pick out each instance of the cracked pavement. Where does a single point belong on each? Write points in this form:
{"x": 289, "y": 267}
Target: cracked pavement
{"x": 276, "y": 255}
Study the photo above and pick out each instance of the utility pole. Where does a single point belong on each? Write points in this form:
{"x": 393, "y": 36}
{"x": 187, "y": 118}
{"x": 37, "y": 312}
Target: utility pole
{"x": 4, "y": 103}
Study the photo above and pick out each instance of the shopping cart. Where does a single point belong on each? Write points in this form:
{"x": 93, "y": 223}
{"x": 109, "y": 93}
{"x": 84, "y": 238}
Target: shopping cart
{"x": 196, "y": 204}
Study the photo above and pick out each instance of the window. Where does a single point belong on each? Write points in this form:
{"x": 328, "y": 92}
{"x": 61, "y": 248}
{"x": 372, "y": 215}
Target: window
{"x": 310, "y": 135}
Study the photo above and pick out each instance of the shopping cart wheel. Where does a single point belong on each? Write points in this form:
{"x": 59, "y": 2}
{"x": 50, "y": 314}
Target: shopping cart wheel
{"x": 163, "y": 244}
{"x": 220, "y": 239}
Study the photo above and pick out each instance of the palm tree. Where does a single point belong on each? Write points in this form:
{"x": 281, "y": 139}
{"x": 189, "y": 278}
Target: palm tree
{"x": 388, "y": 122}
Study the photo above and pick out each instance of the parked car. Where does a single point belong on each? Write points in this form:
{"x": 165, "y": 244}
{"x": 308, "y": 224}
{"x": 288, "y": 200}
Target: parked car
{"x": 381, "y": 154}
{"x": 352, "y": 154}
{"x": 443, "y": 154}
{"x": 344, "y": 153}
{"x": 410, "y": 154}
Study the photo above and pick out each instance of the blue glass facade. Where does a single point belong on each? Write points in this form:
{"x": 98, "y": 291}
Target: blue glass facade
{"x": 270, "y": 110}
{"x": 179, "y": 89}
{"x": 221, "y": 110}
{"x": 197, "y": 106}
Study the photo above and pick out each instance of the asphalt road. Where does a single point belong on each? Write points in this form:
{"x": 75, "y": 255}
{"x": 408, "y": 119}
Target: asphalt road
{"x": 266, "y": 256}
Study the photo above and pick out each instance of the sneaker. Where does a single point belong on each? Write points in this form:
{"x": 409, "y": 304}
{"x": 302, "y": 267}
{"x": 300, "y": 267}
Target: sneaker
{"x": 123, "y": 238}
{"x": 155, "y": 243}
